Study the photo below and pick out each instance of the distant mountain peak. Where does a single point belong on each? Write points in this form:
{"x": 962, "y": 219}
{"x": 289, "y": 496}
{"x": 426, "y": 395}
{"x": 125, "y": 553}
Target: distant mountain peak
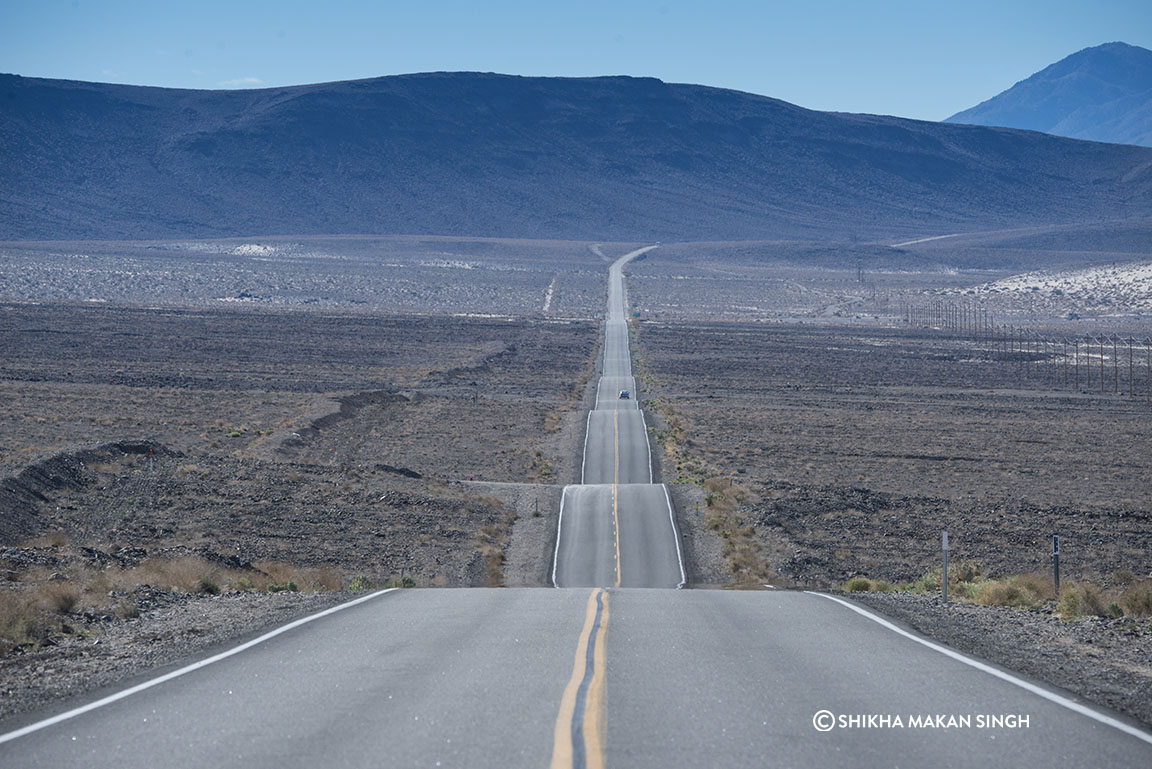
{"x": 1102, "y": 93}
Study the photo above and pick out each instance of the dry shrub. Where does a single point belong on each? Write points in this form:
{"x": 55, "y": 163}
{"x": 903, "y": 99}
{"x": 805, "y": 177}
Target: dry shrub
{"x": 51, "y": 539}
{"x": 1021, "y": 591}
{"x": 19, "y": 620}
{"x": 1082, "y": 600}
{"x": 865, "y": 584}
{"x": 1137, "y": 599}
{"x": 186, "y": 573}
{"x": 277, "y": 574}
{"x": 60, "y": 597}
{"x": 1123, "y": 577}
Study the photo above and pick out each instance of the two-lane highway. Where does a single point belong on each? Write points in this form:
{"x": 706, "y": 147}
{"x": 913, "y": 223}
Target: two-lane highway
{"x": 590, "y": 676}
{"x": 617, "y": 528}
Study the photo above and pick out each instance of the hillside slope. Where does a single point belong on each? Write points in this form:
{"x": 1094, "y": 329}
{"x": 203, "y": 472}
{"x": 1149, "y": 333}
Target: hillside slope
{"x": 492, "y": 155}
{"x": 1102, "y": 94}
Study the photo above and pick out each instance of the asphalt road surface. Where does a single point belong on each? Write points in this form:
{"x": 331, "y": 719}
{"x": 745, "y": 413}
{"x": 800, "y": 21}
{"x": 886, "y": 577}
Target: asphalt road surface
{"x": 581, "y": 677}
{"x": 587, "y": 676}
{"x": 617, "y": 528}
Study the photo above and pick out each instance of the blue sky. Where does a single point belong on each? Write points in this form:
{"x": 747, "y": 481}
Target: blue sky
{"x": 920, "y": 59}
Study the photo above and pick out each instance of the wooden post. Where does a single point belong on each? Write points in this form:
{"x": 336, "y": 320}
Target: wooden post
{"x": 1076, "y": 352}
{"x": 1115, "y": 368}
{"x": 1065, "y": 367}
{"x": 1131, "y": 385}
{"x": 1101, "y": 340}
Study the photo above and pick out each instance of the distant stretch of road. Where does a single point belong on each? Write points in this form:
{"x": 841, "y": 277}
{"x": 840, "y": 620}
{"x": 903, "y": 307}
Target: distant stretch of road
{"x": 614, "y": 669}
{"x": 617, "y": 528}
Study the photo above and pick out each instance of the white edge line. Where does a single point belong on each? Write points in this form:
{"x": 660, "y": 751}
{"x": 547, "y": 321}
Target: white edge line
{"x": 559, "y": 526}
{"x": 584, "y": 459}
{"x": 651, "y": 478}
{"x": 182, "y": 671}
{"x": 1037, "y": 690}
{"x": 675, "y": 536}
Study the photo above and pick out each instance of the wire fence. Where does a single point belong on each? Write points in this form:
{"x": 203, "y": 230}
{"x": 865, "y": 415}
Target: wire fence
{"x": 1093, "y": 362}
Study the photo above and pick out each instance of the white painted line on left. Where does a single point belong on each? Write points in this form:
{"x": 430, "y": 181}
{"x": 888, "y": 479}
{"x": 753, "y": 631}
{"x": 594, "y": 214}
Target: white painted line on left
{"x": 182, "y": 671}
{"x": 559, "y": 528}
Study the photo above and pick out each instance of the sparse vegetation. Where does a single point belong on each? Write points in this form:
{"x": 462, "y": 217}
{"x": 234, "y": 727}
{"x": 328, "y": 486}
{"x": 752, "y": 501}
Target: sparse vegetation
{"x": 401, "y": 582}
{"x": 1082, "y": 599}
{"x": 967, "y": 583}
{"x": 361, "y": 582}
{"x": 19, "y": 620}
{"x": 1137, "y": 599}
{"x": 864, "y": 584}
{"x": 59, "y": 597}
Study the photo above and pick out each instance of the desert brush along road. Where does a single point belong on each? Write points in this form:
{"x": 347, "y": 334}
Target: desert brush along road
{"x": 615, "y": 667}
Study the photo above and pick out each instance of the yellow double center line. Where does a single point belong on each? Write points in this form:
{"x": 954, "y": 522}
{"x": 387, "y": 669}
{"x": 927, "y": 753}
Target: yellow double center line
{"x": 577, "y": 742}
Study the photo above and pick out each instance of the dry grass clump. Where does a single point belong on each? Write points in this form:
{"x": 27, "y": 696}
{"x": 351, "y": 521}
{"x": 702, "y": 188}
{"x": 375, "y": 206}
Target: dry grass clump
{"x": 278, "y": 576}
{"x": 20, "y": 620}
{"x": 1022, "y": 591}
{"x": 59, "y": 597}
{"x": 1137, "y": 599}
{"x": 864, "y": 584}
{"x": 190, "y": 574}
{"x": 51, "y": 539}
{"x": 1084, "y": 599}
{"x": 492, "y": 543}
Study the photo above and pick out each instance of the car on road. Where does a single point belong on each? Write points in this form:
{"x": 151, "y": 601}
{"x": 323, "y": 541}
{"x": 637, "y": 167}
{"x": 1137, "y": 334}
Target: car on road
{"x": 625, "y": 395}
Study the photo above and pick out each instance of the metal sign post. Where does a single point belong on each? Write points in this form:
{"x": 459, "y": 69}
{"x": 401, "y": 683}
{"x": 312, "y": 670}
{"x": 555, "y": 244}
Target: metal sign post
{"x": 1056, "y": 563}
{"x": 944, "y": 572}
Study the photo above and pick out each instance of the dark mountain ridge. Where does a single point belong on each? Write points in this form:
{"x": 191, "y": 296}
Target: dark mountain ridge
{"x": 614, "y": 158}
{"x": 1100, "y": 94}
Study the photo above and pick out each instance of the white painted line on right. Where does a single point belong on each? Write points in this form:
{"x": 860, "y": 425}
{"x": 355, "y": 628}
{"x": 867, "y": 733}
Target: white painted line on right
{"x": 675, "y": 536}
{"x": 648, "y": 443}
{"x": 1064, "y": 702}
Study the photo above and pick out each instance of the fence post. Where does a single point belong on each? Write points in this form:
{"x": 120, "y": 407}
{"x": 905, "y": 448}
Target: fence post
{"x": 1131, "y": 368}
{"x": 1115, "y": 368}
{"x": 944, "y": 571}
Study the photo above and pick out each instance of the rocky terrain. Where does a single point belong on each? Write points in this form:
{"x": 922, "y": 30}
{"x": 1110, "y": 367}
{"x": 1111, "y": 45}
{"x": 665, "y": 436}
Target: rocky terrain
{"x": 855, "y": 447}
{"x": 171, "y": 467}
{"x": 411, "y": 275}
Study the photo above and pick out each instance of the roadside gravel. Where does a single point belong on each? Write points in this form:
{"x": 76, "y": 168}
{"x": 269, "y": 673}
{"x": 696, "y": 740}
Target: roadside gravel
{"x": 102, "y": 650}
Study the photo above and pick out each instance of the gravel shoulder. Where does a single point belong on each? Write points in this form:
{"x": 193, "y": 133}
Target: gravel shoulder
{"x": 1105, "y": 661}
{"x": 101, "y": 650}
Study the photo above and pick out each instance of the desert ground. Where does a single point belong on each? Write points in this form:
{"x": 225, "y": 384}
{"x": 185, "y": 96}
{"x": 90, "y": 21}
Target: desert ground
{"x": 194, "y": 431}
{"x": 168, "y": 452}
